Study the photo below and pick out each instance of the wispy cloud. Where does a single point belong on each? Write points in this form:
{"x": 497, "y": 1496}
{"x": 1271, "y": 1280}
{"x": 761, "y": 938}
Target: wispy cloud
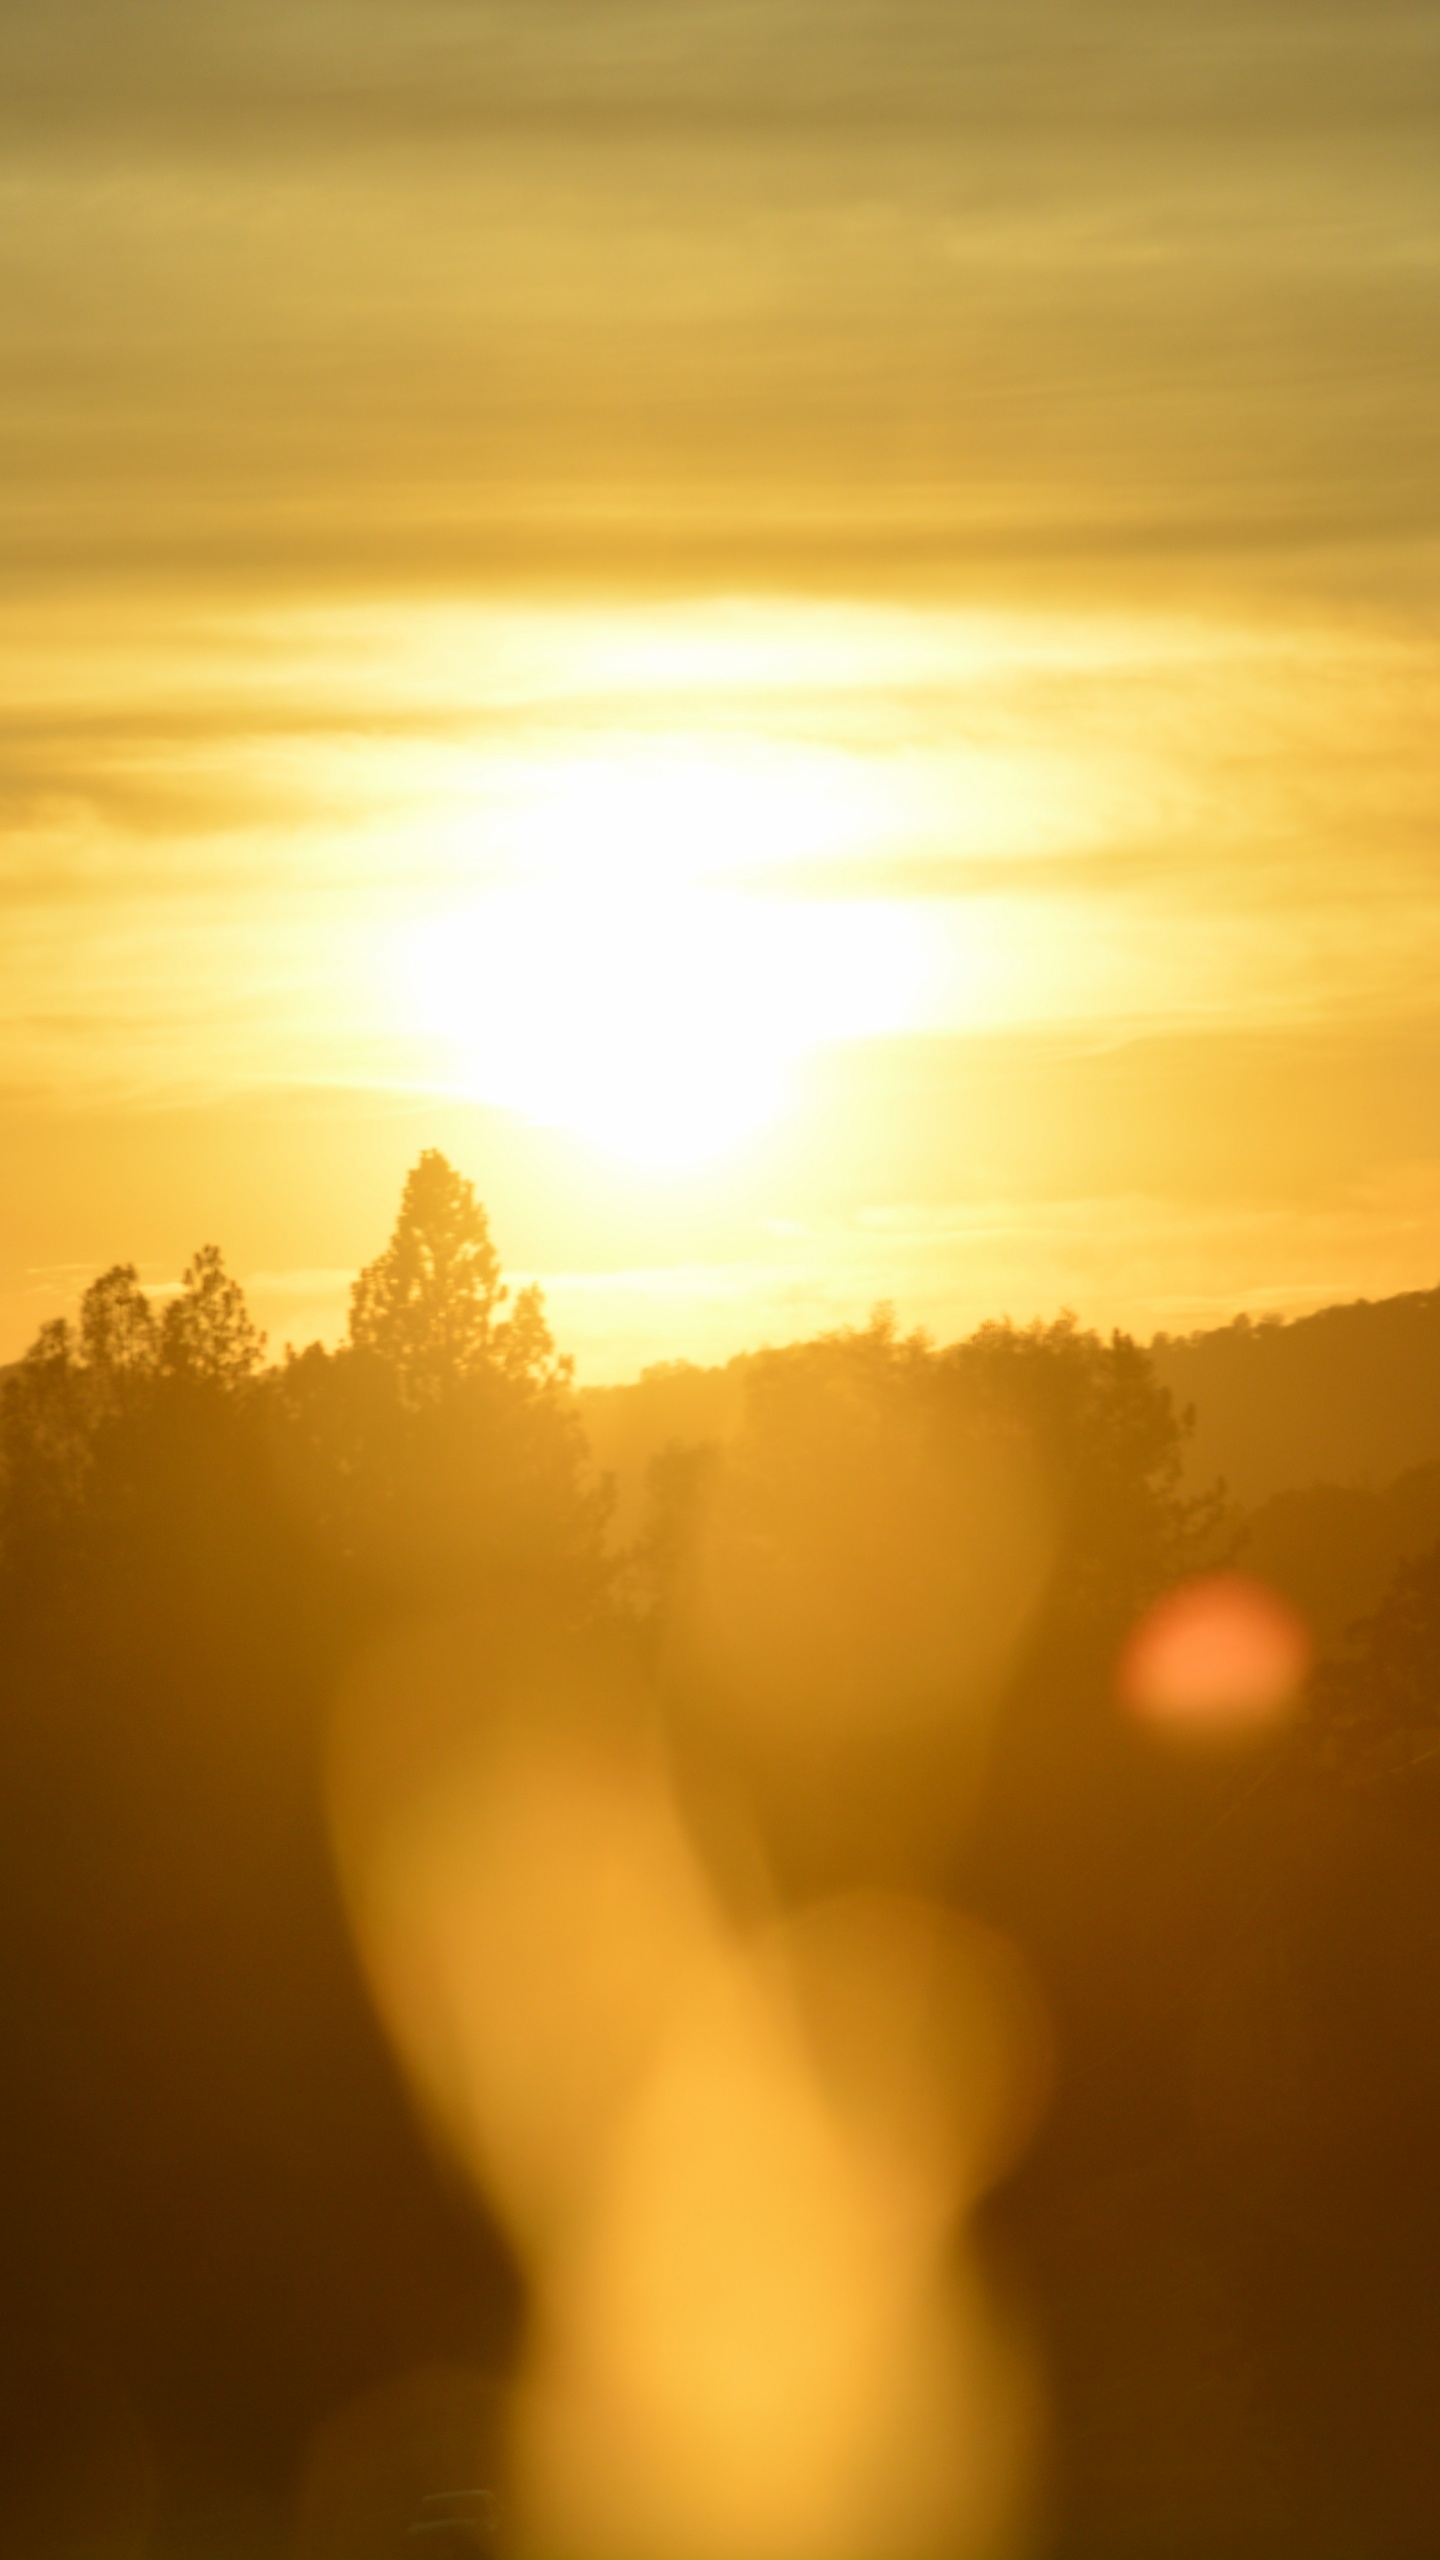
{"x": 801, "y": 292}
{"x": 1031, "y": 405}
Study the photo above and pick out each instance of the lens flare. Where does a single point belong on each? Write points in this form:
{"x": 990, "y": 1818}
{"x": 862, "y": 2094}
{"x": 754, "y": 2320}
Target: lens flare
{"x": 731, "y": 2157}
{"x": 1223, "y": 1656}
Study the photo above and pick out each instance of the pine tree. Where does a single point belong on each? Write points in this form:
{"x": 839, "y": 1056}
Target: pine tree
{"x": 427, "y": 1307}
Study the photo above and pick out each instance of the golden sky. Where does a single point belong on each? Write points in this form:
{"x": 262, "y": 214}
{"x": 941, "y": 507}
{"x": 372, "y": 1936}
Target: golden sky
{"x": 804, "y": 629}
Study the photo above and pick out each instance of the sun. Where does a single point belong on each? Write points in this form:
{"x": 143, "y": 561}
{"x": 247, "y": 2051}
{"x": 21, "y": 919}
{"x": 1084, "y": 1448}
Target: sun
{"x": 634, "y": 980}
{"x": 652, "y": 1023}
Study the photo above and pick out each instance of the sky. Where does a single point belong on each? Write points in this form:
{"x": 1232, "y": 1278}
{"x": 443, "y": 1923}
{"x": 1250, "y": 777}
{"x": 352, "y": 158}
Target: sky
{"x": 805, "y": 630}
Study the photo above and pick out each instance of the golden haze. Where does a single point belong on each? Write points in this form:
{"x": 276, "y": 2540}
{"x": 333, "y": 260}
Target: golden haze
{"x": 804, "y": 634}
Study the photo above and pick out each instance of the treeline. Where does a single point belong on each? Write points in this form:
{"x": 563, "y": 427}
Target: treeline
{"x": 217, "y": 2196}
{"x": 876, "y": 1624}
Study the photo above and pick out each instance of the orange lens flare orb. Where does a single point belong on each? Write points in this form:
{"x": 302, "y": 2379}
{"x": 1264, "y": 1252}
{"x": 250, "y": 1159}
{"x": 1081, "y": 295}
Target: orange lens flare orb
{"x": 1222, "y": 1657}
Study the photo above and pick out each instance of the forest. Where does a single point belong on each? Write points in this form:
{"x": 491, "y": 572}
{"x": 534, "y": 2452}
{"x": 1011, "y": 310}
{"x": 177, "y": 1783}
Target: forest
{"x": 861, "y": 1600}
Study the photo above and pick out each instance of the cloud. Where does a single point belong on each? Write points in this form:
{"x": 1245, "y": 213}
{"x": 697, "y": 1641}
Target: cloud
{"x": 428, "y": 66}
{"x": 1117, "y": 317}
{"x": 797, "y": 292}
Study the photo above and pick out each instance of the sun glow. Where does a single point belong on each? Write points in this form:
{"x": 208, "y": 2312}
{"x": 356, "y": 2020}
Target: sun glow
{"x": 630, "y": 980}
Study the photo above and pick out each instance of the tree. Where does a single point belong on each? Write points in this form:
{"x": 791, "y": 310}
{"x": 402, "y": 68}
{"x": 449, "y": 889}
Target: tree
{"x": 1375, "y": 1709}
{"x": 440, "y": 1449}
{"x": 119, "y": 1339}
{"x": 44, "y": 1436}
{"x": 1070, "y": 1440}
{"x": 1110, "y": 1443}
{"x": 80, "y": 1412}
{"x": 200, "y": 2116}
{"x": 427, "y": 1306}
{"x": 207, "y": 1336}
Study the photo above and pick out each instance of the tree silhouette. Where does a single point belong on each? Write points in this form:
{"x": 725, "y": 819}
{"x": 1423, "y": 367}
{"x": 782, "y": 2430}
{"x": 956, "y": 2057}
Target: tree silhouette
{"x": 44, "y": 1424}
{"x": 441, "y": 1447}
{"x": 218, "y": 2190}
{"x": 1375, "y": 1710}
{"x": 80, "y": 1412}
{"x": 206, "y": 1335}
{"x": 119, "y": 1338}
{"x": 427, "y": 1306}
{"x": 898, "y": 1417}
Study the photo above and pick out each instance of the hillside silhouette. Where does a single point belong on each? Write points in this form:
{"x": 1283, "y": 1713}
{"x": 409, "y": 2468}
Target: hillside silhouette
{"x": 1348, "y": 1396}
{"x": 857, "y": 1612}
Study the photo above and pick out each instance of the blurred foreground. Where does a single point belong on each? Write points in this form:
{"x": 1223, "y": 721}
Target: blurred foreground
{"x": 877, "y": 2006}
